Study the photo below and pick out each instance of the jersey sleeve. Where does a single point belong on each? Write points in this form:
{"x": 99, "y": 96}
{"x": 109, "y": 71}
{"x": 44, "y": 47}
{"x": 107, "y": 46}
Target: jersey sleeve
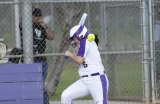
{"x": 83, "y": 49}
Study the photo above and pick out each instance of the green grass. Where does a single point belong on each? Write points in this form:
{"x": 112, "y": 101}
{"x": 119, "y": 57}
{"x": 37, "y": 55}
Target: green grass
{"x": 128, "y": 80}
{"x": 68, "y": 77}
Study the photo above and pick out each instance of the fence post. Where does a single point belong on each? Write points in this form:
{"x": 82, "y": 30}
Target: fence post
{"x": 17, "y": 32}
{"x": 151, "y": 51}
{"x": 145, "y": 52}
{"x": 27, "y": 31}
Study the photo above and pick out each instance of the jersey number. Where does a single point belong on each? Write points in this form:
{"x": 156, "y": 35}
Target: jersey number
{"x": 85, "y": 65}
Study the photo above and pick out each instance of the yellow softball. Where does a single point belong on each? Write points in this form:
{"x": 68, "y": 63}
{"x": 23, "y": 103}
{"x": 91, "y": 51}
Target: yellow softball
{"x": 91, "y": 37}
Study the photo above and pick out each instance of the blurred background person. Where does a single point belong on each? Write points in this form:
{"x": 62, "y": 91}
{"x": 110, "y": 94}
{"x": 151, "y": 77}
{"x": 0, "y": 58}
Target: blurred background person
{"x": 41, "y": 32}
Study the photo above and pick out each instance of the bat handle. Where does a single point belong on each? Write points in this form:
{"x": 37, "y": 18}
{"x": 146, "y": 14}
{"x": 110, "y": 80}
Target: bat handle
{"x": 69, "y": 48}
{"x": 66, "y": 57}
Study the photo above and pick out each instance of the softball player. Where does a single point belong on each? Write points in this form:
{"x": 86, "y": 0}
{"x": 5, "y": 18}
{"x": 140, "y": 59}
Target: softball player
{"x": 93, "y": 81}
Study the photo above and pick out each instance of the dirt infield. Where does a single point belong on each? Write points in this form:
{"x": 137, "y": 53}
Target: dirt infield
{"x": 91, "y": 102}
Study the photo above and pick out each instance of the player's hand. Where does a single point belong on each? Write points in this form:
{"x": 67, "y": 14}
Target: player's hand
{"x": 68, "y": 53}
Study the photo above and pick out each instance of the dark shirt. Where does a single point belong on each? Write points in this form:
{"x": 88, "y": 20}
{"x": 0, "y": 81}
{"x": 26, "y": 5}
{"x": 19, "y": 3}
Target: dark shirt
{"x": 39, "y": 42}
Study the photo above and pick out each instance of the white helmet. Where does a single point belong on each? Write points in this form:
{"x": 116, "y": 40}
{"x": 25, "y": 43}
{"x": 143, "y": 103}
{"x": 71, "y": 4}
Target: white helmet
{"x": 79, "y": 31}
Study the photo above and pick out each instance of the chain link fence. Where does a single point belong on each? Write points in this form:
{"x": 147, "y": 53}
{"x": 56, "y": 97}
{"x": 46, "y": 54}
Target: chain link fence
{"x": 118, "y": 24}
{"x": 156, "y": 8}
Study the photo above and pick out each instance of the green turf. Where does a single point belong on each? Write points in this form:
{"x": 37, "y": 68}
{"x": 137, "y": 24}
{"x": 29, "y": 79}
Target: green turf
{"x": 68, "y": 76}
{"x": 128, "y": 80}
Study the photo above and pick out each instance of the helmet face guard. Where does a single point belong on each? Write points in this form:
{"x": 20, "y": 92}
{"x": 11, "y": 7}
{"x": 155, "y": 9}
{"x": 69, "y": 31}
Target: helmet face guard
{"x": 79, "y": 31}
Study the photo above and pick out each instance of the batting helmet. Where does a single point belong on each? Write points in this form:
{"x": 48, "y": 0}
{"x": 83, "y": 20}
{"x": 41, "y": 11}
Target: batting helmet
{"x": 79, "y": 31}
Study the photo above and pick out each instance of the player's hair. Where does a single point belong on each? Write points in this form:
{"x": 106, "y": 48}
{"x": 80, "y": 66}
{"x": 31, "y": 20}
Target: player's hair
{"x": 96, "y": 39}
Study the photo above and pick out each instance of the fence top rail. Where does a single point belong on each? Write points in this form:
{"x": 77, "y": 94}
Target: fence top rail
{"x": 59, "y": 1}
{"x": 84, "y": 0}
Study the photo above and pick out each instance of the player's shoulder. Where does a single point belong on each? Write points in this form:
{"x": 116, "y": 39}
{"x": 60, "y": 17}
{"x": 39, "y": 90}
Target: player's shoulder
{"x": 91, "y": 43}
{"x": 87, "y": 43}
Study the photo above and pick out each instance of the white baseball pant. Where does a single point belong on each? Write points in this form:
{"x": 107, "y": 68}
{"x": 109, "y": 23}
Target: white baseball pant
{"x": 96, "y": 86}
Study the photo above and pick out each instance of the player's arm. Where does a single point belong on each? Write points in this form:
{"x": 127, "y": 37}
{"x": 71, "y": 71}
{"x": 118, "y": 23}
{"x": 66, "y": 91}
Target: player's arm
{"x": 74, "y": 57}
{"x": 81, "y": 54}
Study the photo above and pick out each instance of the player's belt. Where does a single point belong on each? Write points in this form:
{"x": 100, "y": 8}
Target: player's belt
{"x": 94, "y": 74}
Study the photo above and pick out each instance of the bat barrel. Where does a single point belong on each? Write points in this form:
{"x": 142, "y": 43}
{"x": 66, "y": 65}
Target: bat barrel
{"x": 83, "y": 19}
